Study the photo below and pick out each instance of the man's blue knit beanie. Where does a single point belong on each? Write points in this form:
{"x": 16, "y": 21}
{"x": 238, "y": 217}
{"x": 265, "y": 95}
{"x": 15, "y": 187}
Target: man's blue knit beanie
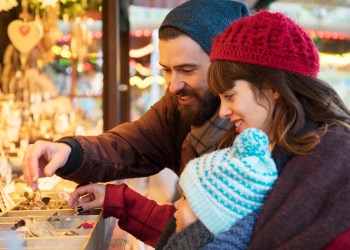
{"x": 202, "y": 20}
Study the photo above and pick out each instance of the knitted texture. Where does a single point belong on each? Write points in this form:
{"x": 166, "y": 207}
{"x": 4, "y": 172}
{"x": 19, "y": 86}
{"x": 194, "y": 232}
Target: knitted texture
{"x": 202, "y": 20}
{"x": 224, "y": 186}
{"x": 238, "y": 237}
{"x": 195, "y": 236}
{"x": 268, "y": 39}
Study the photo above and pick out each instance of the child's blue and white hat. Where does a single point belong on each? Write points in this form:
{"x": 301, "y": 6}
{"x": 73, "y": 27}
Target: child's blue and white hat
{"x": 224, "y": 186}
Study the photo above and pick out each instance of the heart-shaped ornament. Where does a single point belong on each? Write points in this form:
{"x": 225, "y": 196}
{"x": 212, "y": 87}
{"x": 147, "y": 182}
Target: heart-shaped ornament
{"x": 24, "y": 35}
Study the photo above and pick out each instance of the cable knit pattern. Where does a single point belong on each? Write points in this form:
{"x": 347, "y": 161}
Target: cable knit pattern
{"x": 224, "y": 186}
{"x": 268, "y": 39}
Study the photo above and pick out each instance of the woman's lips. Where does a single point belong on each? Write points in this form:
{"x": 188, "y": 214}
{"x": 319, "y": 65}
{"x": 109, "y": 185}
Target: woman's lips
{"x": 238, "y": 124}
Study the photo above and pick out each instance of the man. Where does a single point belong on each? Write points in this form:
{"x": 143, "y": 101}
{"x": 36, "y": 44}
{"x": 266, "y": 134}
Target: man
{"x": 157, "y": 140}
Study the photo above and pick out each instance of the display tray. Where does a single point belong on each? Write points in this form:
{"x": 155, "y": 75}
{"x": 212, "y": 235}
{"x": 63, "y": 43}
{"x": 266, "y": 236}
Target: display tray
{"x": 58, "y": 228}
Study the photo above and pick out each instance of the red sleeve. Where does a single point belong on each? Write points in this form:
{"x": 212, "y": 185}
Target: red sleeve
{"x": 139, "y": 216}
{"x": 340, "y": 242}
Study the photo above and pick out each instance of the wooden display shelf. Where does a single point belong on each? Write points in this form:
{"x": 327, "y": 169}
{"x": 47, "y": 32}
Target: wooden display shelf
{"x": 62, "y": 220}
{"x": 104, "y": 234}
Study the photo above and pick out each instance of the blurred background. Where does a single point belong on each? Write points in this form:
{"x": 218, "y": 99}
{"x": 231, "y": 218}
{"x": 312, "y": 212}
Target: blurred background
{"x": 70, "y": 67}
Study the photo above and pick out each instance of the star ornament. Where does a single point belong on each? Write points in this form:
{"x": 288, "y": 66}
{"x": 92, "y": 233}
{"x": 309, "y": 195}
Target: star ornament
{"x": 46, "y": 3}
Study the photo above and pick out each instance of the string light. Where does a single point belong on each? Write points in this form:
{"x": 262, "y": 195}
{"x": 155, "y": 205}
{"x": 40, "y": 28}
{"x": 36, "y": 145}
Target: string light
{"x": 336, "y": 60}
{"x": 142, "y": 84}
{"x": 137, "y": 53}
{"x": 328, "y": 35}
{"x": 142, "y": 70}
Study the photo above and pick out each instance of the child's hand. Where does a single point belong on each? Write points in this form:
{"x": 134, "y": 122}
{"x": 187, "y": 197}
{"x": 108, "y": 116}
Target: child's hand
{"x": 184, "y": 214}
{"x": 87, "y": 197}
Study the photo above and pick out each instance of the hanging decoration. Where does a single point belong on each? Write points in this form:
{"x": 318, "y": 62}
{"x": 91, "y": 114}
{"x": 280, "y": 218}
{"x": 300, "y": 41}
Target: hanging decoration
{"x": 30, "y": 49}
{"x": 67, "y": 8}
{"x": 46, "y": 3}
{"x": 79, "y": 41}
{"x": 6, "y": 5}
{"x": 24, "y": 35}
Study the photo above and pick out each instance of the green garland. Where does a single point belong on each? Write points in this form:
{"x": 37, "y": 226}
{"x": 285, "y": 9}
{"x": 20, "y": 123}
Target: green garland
{"x": 72, "y": 8}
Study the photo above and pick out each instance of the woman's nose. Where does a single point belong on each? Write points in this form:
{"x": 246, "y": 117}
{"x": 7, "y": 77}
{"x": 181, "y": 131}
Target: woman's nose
{"x": 224, "y": 111}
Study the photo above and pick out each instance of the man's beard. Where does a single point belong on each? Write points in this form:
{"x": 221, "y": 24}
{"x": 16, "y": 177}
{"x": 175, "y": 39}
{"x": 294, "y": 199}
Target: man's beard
{"x": 201, "y": 110}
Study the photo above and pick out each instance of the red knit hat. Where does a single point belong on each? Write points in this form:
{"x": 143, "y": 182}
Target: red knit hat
{"x": 268, "y": 39}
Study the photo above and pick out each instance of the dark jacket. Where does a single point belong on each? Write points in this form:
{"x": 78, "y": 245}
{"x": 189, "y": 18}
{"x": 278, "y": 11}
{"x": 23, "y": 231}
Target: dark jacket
{"x": 308, "y": 207}
{"x": 137, "y": 149}
{"x": 159, "y": 139}
{"x": 309, "y": 204}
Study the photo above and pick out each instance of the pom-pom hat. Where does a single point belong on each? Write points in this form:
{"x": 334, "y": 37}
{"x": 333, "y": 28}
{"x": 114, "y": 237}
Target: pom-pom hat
{"x": 202, "y": 20}
{"x": 226, "y": 185}
{"x": 268, "y": 39}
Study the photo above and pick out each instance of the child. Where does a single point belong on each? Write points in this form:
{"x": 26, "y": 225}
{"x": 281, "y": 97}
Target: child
{"x": 222, "y": 189}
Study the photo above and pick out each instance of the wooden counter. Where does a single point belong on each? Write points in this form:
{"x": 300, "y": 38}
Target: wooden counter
{"x": 67, "y": 229}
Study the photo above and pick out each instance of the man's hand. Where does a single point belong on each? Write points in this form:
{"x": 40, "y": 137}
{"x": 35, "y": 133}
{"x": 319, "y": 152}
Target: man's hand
{"x": 42, "y": 159}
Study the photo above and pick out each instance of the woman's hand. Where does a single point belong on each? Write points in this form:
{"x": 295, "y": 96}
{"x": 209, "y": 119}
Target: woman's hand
{"x": 87, "y": 197}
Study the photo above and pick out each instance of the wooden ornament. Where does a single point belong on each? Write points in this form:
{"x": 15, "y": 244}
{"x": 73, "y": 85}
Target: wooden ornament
{"x": 24, "y": 35}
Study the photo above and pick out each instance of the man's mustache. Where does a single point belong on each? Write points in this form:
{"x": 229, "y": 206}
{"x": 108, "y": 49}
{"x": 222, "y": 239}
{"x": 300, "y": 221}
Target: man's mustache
{"x": 184, "y": 92}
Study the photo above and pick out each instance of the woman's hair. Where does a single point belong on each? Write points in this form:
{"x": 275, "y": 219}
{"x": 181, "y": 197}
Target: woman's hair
{"x": 301, "y": 98}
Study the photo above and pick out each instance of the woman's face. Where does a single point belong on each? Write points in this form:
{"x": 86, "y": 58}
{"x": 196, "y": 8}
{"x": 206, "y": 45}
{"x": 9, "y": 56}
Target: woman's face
{"x": 184, "y": 215}
{"x": 240, "y": 105}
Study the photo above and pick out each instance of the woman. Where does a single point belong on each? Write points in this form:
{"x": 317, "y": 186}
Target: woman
{"x": 264, "y": 69}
